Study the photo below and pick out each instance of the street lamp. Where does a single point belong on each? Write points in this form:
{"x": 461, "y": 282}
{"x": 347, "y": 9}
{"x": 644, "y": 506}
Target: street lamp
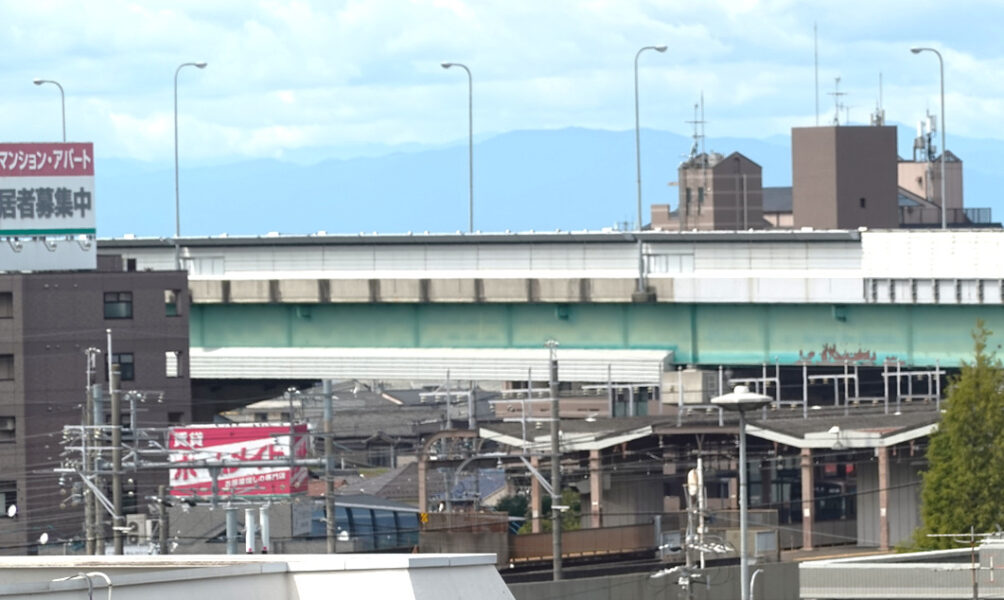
{"x": 944, "y": 149}
{"x": 742, "y": 400}
{"x": 637, "y": 148}
{"x": 177, "y": 201}
{"x": 62, "y": 100}
{"x": 470, "y": 141}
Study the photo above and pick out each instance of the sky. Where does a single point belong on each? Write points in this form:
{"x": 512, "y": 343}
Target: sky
{"x": 304, "y": 81}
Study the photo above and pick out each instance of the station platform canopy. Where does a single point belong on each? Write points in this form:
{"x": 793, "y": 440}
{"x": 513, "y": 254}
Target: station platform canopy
{"x": 430, "y": 364}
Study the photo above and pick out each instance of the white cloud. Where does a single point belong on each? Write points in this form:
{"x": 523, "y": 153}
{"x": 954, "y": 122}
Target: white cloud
{"x": 296, "y": 75}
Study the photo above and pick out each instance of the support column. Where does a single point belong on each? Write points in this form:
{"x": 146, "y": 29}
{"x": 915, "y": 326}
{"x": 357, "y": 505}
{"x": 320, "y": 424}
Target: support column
{"x": 249, "y": 530}
{"x": 231, "y": 530}
{"x": 808, "y": 498}
{"x": 766, "y": 483}
{"x": 266, "y": 530}
{"x": 596, "y": 487}
{"x": 423, "y": 467}
{"x": 883, "y": 496}
{"x": 535, "y": 500}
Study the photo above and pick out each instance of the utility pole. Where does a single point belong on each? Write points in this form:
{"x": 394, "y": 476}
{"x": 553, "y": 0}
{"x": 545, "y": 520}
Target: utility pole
{"x": 118, "y": 520}
{"x": 449, "y": 392}
{"x": 329, "y": 477}
{"x": 164, "y": 519}
{"x": 90, "y": 502}
{"x": 555, "y": 461}
{"x": 970, "y": 538}
{"x": 98, "y": 439}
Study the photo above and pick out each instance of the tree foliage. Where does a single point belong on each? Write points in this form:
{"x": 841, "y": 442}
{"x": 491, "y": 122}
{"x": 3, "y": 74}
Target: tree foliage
{"x": 571, "y": 519}
{"x": 516, "y": 506}
{"x": 964, "y": 481}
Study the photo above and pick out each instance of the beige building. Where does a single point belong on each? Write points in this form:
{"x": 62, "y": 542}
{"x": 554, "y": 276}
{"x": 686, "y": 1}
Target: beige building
{"x": 920, "y": 184}
{"x": 844, "y": 177}
{"x": 924, "y": 179}
{"x": 716, "y": 193}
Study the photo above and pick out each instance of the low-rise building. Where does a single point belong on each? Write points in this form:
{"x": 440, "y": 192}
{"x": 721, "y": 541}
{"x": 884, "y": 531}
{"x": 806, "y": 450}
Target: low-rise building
{"x": 48, "y": 322}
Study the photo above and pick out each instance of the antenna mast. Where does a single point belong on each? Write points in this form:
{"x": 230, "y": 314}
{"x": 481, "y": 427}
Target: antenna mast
{"x": 837, "y": 104}
{"x": 878, "y": 118}
{"x": 815, "y": 57}
{"x": 703, "y": 122}
{"x": 697, "y": 147}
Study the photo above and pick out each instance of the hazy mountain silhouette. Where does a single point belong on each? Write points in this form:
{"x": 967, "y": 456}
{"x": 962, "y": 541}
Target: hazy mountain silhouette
{"x": 568, "y": 179}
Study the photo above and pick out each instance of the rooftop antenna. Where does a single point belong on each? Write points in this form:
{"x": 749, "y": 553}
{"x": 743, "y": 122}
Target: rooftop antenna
{"x": 698, "y": 135}
{"x": 703, "y": 123}
{"x": 694, "y": 147}
{"x": 847, "y": 113}
{"x": 837, "y": 105}
{"x": 815, "y": 56}
{"x": 878, "y": 119}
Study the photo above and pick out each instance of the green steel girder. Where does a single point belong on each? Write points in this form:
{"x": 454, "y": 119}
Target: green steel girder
{"x": 709, "y": 334}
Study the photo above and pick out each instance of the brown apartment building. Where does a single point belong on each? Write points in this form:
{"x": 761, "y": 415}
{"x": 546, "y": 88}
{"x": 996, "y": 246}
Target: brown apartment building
{"x": 716, "y": 193}
{"x": 844, "y": 177}
{"x": 47, "y": 322}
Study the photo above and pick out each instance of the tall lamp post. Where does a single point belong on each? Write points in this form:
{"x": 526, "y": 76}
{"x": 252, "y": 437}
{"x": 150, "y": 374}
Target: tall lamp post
{"x": 62, "y": 100}
{"x": 637, "y": 149}
{"x": 177, "y": 195}
{"x": 741, "y": 400}
{"x": 470, "y": 142}
{"x": 944, "y": 149}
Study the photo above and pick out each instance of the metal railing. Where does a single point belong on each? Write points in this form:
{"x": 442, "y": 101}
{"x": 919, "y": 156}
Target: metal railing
{"x": 931, "y": 216}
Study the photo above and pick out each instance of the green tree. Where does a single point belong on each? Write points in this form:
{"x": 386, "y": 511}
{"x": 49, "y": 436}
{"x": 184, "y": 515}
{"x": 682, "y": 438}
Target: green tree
{"x": 571, "y": 519}
{"x": 965, "y": 476}
{"x": 516, "y": 505}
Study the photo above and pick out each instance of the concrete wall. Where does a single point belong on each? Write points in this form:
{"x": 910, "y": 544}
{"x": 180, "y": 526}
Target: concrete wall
{"x": 904, "y": 499}
{"x": 632, "y": 499}
{"x": 496, "y": 543}
{"x": 778, "y": 581}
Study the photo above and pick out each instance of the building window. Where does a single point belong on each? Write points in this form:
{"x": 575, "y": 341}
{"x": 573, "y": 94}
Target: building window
{"x": 175, "y": 418}
{"x": 8, "y": 429}
{"x": 118, "y": 305}
{"x": 862, "y": 202}
{"x": 8, "y": 496}
{"x": 6, "y": 367}
{"x": 171, "y": 308}
{"x": 127, "y": 366}
{"x": 6, "y": 305}
{"x": 172, "y": 364}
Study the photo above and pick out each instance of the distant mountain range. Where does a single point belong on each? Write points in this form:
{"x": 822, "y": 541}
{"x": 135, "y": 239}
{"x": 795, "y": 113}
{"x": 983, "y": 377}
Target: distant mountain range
{"x": 567, "y": 179}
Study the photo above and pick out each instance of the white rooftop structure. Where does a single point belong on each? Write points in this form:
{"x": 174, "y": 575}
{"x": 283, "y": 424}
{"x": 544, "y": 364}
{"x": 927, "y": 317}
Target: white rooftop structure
{"x": 791, "y": 266}
{"x": 304, "y": 577}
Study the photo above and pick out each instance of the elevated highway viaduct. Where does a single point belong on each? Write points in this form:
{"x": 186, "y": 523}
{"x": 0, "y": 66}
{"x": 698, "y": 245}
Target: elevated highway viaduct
{"x": 409, "y": 307}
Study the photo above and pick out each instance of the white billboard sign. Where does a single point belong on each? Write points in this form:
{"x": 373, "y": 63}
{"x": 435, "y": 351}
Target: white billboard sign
{"x": 47, "y": 206}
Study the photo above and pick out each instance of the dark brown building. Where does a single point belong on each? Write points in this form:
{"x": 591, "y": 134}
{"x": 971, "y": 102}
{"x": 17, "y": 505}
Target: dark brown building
{"x": 844, "y": 177}
{"x": 47, "y": 322}
{"x": 716, "y": 193}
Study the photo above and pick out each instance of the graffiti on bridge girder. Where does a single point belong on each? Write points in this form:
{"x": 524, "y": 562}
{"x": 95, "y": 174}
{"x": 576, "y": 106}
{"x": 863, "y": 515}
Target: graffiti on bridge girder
{"x": 831, "y": 356}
